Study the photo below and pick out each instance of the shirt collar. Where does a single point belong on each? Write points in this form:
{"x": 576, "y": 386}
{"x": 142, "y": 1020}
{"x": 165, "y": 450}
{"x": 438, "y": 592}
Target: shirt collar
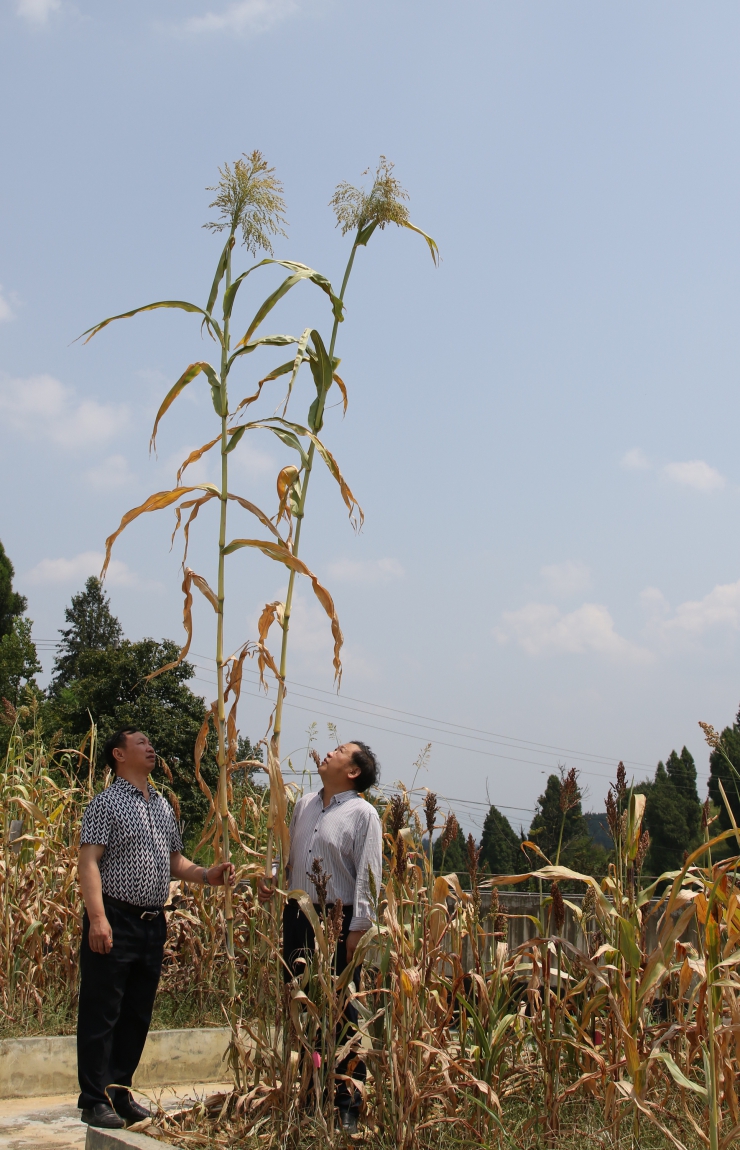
{"x": 118, "y": 781}
{"x": 342, "y": 797}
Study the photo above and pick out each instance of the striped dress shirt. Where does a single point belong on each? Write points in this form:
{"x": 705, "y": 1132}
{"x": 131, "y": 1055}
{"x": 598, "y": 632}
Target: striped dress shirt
{"x": 347, "y": 838}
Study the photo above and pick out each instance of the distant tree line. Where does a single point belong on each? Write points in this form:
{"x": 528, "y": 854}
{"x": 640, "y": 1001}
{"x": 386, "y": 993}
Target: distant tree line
{"x": 100, "y": 675}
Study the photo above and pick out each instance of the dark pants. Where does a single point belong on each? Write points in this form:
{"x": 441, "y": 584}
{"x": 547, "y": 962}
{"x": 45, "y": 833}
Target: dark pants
{"x": 116, "y": 1001}
{"x": 298, "y": 942}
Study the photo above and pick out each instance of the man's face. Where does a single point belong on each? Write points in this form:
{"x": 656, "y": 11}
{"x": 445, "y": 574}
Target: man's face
{"x": 337, "y": 770}
{"x": 136, "y": 753}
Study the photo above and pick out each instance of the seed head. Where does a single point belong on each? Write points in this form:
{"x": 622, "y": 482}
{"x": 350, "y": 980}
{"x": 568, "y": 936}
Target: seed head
{"x": 397, "y": 810}
{"x": 621, "y": 786}
{"x": 714, "y": 740}
{"x": 450, "y": 831}
{"x": 320, "y": 880}
{"x": 316, "y": 757}
{"x": 569, "y": 797}
{"x": 382, "y": 205}
{"x": 589, "y": 906}
{"x": 431, "y": 807}
{"x": 612, "y": 813}
{"x": 474, "y": 854}
{"x": 400, "y": 860}
{"x": 642, "y": 849}
{"x": 249, "y": 196}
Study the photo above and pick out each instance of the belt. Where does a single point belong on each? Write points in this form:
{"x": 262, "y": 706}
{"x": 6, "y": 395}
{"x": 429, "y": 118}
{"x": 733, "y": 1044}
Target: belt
{"x": 147, "y": 913}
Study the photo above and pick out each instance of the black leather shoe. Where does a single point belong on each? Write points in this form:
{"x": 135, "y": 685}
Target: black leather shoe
{"x": 131, "y": 1111}
{"x": 348, "y": 1119}
{"x": 104, "y": 1116}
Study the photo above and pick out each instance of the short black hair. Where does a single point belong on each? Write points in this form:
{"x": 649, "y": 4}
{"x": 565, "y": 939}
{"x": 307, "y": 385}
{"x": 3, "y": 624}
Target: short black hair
{"x": 369, "y": 766}
{"x": 117, "y": 739}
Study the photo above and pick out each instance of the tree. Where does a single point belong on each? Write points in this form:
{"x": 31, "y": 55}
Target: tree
{"x": 672, "y": 813}
{"x": 18, "y": 661}
{"x": 500, "y": 845}
{"x": 111, "y": 687}
{"x": 455, "y": 858}
{"x": 719, "y": 771}
{"x": 11, "y": 603}
{"x": 93, "y": 627}
{"x": 577, "y": 849}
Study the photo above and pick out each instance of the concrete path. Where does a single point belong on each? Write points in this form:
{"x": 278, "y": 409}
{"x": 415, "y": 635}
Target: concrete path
{"x": 54, "y": 1122}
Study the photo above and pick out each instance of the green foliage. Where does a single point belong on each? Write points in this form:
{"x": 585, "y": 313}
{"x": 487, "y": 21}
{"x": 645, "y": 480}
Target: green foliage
{"x": 11, "y": 603}
{"x": 18, "y": 661}
{"x": 92, "y": 627}
{"x": 578, "y": 850}
{"x": 720, "y": 771}
{"x": 500, "y": 845}
{"x": 455, "y": 858}
{"x": 672, "y": 813}
{"x": 110, "y": 686}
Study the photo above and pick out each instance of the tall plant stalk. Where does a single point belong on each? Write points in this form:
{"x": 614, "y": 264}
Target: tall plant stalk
{"x": 248, "y": 199}
{"x": 362, "y": 212}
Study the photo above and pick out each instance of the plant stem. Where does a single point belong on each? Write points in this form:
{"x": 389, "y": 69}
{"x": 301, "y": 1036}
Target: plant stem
{"x": 223, "y": 805}
{"x": 277, "y": 729}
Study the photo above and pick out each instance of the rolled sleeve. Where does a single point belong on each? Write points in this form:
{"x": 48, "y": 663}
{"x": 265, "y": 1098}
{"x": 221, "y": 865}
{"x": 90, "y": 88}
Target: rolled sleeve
{"x": 368, "y": 851}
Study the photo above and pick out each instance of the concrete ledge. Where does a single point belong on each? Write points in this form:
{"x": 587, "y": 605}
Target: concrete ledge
{"x": 119, "y": 1140}
{"x": 37, "y": 1066}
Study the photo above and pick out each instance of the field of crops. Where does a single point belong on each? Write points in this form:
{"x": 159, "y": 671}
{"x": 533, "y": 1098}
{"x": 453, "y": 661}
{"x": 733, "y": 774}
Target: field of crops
{"x": 545, "y": 1044}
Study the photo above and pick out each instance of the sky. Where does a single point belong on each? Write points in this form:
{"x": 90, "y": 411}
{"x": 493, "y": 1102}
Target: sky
{"x": 541, "y": 431}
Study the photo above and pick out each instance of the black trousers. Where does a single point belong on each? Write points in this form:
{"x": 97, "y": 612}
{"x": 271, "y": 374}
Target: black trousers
{"x": 298, "y": 943}
{"x": 116, "y": 1001}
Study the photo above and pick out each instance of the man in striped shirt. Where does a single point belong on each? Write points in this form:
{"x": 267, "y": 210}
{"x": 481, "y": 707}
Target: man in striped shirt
{"x": 339, "y": 829}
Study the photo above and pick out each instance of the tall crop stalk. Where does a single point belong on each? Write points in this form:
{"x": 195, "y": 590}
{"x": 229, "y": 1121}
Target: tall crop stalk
{"x": 362, "y": 212}
{"x": 248, "y": 199}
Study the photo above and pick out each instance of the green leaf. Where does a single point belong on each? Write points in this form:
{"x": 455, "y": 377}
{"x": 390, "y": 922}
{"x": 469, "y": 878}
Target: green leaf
{"x": 300, "y": 355}
{"x": 265, "y": 340}
{"x": 235, "y": 439}
{"x": 323, "y": 375}
{"x": 299, "y": 272}
{"x": 187, "y": 376}
{"x": 176, "y": 303}
{"x": 220, "y": 272}
{"x": 628, "y": 943}
{"x": 364, "y": 234}
{"x": 677, "y": 1074}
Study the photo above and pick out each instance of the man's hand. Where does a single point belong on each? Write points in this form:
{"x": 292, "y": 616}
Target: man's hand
{"x": 353, "y": 938}
{"x": 217, "y": 874}
{"x": 100, "y": 938}
{"x": 265, "y": 889}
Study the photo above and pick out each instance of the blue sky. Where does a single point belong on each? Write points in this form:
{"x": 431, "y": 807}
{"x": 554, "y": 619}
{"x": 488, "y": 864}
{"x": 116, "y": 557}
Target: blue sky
{"x": 541, "y": 431}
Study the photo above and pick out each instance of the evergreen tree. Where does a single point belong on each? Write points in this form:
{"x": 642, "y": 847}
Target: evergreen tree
{"x": 455, "y": 858}
{"x": 500, "y": 845}
{"x": 110, "y": 686}
{"x": 672, "y": 813}
{"x": 577, "y": 849}
{"x": 730, "y": 779}
{"x": 93, "y": 627}
{"x": 11, "y": 603}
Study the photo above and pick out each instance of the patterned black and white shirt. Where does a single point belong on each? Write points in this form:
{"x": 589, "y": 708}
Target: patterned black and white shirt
{"x": 138, "y": 837}
{"x": 348, "y": 839}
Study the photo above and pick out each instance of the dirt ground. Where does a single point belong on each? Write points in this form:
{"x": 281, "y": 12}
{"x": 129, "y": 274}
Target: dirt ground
{"x": 54, "y": 1122}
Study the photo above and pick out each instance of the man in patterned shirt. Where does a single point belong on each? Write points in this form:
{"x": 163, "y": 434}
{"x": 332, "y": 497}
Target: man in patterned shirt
{"x": 130, "y": 846}
{"x": 339, "y": 829}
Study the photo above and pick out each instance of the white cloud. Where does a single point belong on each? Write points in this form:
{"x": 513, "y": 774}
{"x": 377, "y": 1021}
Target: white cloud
{"x": 113, "y": 472}
{"x": 42, "y": 406}
{"x": 695, "y": 473}
{"x": 541, "y": 629}
{"x": 566, "y": 578}
{"x": 720, "y": 608}
{"x": 245, "y": 17}
{"x": 635, "y": 460}
{"x": 6, "y": 311}
{"x": 366, "y": 571}
{"x": 80, "y": 567}
{"x": 37, "y": 11}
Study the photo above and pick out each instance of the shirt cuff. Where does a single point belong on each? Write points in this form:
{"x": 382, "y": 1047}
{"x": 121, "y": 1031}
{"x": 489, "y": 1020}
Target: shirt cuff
{"x": 362, "y": 924}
